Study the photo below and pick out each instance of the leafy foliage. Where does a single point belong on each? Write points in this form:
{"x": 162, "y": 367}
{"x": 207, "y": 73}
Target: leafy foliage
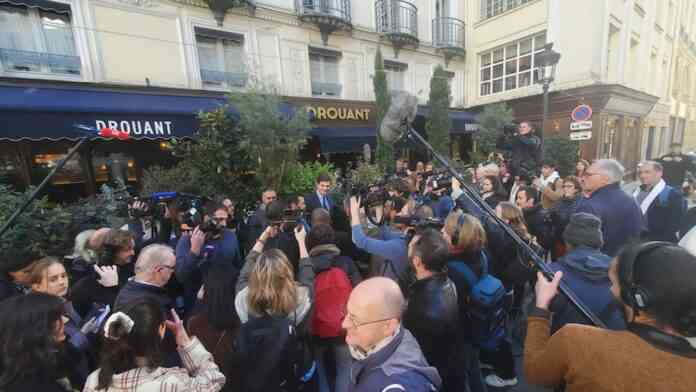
{"x": 301, "y": 177}
{"x": 236, "y": 158}
{"x": 491, "y": 122}
{"x": 384, "y": 156}
{"x": 439, "y": 123}
{"x": 563, "y": 151}
{"x": 50, "y": 229}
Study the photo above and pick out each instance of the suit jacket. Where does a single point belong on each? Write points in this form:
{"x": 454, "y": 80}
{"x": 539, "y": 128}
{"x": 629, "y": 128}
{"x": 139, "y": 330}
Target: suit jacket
{"x": 665, "y": 215}
{"x": 312, "y": 202}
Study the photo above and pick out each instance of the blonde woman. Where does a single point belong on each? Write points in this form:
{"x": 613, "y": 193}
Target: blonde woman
{"x": 274, "y": 308}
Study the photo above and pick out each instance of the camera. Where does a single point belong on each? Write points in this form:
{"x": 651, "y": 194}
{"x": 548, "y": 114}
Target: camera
{"x": 440, "y": 181}
{"x": 420, "y": 223}
{"x": 191, "y": 207}
{"x": 510, "y": 129}
{"x": 288, "y": 220}
{"x": 373, "y": 195}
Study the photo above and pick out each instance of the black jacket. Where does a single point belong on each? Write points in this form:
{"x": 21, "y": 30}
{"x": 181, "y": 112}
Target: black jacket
{"x": 432, "y": 317}
{"x": 9, "y": 288}
{"x": 134, "y": 290}
{"x": 665, "y": 215}
{"x": 312, "y": 202}
{"x": 560, "y": 216}
{"x": 89, "y": 291}
{"x": 526, "y": 153}
{"x": 539, "y": 225}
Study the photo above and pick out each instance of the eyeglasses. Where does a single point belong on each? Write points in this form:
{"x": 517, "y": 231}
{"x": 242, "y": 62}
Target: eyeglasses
{"x": 170, "y": 267}
{"x": 588, "y": 174}
{"x": 355, "y": 324}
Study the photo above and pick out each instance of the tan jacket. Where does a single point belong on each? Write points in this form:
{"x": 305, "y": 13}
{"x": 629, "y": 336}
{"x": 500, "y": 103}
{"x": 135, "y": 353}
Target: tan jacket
{"x": 590, "y": 359}
{"x": 200, "y": 375}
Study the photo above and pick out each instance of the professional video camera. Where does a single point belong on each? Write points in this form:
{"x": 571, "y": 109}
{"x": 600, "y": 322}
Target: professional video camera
{"x": 373, "y": 195}
{"x": 440, "y": 181}
{"x": 420, "y": 223}
{"x": 289, "y": 220}
{"x": 510, "y": 129}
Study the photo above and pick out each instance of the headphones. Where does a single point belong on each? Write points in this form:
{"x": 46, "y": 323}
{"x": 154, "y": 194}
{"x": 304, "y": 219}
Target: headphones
{"x": 632, "y": 293}
{"x": 460, "y": 223}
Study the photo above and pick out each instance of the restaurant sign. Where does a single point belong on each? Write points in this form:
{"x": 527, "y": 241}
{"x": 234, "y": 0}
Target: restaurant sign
{"x": 339, "y": 113}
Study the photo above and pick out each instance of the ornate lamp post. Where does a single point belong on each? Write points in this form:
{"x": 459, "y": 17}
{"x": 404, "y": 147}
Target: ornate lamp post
{"x": 546, "y": 61}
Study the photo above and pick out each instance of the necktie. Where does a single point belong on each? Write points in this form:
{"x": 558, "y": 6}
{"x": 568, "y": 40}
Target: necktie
{"x": 324, "y": 203}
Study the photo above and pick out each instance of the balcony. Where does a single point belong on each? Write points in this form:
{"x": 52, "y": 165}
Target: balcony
{"x": 232, "y": 79}
{"x": 24, "y": 60}
{"x": 397, "y": 21}
{"x": 326, "y": 88}
{"x": 328, "y": 15}
{"x": 448, "y": 36}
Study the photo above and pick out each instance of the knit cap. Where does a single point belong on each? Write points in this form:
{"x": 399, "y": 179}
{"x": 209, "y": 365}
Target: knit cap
{"x": 584, "y": 230}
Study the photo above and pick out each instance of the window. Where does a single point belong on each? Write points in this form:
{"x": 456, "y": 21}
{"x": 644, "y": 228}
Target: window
{"x": 221, "y": 58}
{"x": 491, "y": 8}
{"x": 510, "y": 67}
{"x": 324, "y": 72}
{"x": 396, "y": 75}
{"x": 38, "y": 40}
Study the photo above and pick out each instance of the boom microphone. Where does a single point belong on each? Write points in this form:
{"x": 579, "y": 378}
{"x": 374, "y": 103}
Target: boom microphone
{"x": 402, "y": 111}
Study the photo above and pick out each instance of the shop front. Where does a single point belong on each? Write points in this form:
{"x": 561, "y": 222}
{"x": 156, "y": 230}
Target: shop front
{"x": 343, "y": 128}
{"x": 40, "y": 124}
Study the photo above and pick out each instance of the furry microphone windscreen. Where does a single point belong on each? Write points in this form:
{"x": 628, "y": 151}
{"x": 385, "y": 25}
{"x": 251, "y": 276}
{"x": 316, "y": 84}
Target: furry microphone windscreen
{"x": 403, "y": 108}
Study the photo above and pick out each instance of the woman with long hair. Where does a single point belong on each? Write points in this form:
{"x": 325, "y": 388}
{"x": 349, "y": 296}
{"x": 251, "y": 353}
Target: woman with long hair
{"x": 269, "y": 298}
{"x": 31, "y": 338}
{"x": 655, "y": 287}
{"x": 492, "y": 191}
{"x": 109, "y": 275}
{"x": 48, "y": 276}
{"x": 217, "y": 325}
{"x": 580, "y": 167}
{"x": 132, "y": 354}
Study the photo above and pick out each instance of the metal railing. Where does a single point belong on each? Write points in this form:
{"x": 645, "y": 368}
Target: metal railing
{"x": 232, "y": 79}
{"x": 448, "y": 33}
{"x": 326, "y": 88}
{"x": 339, "y": 9}
{"x": 24, "y": 60}
{"x": 396, "y": 17}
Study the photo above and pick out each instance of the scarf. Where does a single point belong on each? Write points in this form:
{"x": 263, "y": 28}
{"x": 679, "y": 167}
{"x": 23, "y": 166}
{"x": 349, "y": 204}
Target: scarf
{"x": 654, "y": 193}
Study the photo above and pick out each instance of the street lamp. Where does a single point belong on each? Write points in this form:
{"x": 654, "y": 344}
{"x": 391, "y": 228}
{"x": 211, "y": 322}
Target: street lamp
{"x": 546, "y": 62}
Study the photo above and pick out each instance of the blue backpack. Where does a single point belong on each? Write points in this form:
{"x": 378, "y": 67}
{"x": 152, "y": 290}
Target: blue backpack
{"x": 486, "y": 310}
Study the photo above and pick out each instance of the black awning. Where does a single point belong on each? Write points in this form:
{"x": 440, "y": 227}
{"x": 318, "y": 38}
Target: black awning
{"x": 53, "y": 113}
{"x": 42, "y": 4}
{"x": 343, "y": 140}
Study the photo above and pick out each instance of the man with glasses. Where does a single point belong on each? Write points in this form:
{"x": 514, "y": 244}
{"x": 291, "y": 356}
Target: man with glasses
{"x": 153, "y": 269}
{"x": 387, "y": 357}
{"x": 622, "y": 220}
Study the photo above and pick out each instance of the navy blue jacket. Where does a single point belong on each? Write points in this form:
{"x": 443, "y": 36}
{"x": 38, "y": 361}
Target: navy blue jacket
{"x": 400, "y": 365}
{"x": 586, "y": 271}
{"x": 622, "y": 220}
{"x": 664, "y": 216}
{"x": 312, "y": 202}
{"x": 190, "y": 267}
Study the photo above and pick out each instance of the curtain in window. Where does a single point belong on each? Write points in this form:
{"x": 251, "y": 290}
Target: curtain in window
{"x": 207, "y": 54}
{"x": 234, "y": 56}
{"x": 58, "y": 33}
{"x": 15, "y": 28}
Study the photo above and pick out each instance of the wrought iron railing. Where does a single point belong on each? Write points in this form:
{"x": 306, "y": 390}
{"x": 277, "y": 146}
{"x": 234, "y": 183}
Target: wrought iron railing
{"x": 396, "y": 17}
{"x": 232, "y": 79}
{"x": 448, "y": 33}
{"x": 339, "y": 9}
{"x": 326, "y": 88}
{"x": 24, "y": 60}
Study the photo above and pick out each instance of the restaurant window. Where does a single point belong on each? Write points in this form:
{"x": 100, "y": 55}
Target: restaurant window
{"x": 324, "y": 72}
{"x": 511, "y": 66}
{"x": 221, "y": 58}
{"x": 38, "y": 40}
{"x": 109, "y": 167}
{"x": 71, "y": 173}
{"x": 396, "y": 75}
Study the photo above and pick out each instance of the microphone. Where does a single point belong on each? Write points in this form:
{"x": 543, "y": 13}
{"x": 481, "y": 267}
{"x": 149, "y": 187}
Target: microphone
{"x": 402, "y": 110}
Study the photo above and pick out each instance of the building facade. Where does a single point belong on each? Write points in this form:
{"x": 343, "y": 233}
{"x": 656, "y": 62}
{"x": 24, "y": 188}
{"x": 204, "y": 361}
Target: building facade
{"x": 316, "y": 53}
{"x": 616, "y": 56}
{"x": 683, "y": 84}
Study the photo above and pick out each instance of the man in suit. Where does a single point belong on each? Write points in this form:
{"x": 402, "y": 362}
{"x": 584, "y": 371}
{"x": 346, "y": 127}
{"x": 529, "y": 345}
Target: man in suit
{"x": 320, "y": 197}
{"x": 258, "y": 222}
{"x": 662, "y": 205}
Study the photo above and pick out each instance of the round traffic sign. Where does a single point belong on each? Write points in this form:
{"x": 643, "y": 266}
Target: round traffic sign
{"x": 581, "y": 113}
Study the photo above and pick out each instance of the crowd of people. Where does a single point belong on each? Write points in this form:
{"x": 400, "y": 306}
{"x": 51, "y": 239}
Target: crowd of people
{"x": 408, "y": 286}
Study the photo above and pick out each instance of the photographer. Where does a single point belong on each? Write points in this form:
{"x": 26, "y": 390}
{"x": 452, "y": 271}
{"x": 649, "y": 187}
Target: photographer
{"x": 436, "y": 197}
{"x": 150, "y": 223}
{"x": 210, "y": 242}
{"x": 525, "y": 149}
{"x": 283, "y": 220}
{"x": 392, "y": 246}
